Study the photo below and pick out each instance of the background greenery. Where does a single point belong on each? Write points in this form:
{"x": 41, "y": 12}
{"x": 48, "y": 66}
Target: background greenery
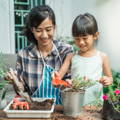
{"x": 3, "y": 70}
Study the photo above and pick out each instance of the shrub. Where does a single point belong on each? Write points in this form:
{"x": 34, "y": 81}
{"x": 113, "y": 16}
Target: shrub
{"x": 112, "y": 92}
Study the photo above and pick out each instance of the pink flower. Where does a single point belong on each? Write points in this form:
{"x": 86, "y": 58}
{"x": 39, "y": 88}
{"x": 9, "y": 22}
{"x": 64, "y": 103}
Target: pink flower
{"x": 105, "y": 97}
{"x": 117, "y": 92}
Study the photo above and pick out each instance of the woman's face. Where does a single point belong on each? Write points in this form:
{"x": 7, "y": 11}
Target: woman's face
{"x": 44, "y": 33}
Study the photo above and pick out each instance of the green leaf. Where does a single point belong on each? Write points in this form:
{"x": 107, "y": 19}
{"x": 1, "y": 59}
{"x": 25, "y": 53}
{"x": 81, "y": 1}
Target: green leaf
{"x": 3, "y": 93}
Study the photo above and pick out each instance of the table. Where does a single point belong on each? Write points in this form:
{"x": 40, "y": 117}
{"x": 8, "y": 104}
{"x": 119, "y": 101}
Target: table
{"x": 89, "y": 114}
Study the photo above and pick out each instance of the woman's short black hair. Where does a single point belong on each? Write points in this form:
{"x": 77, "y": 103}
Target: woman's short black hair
{"x": 84, "y": 25}
{"x": 35, "y": 17}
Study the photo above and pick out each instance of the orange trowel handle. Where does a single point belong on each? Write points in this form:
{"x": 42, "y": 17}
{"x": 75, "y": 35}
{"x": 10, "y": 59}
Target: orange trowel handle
{"x": 57, "y": 81}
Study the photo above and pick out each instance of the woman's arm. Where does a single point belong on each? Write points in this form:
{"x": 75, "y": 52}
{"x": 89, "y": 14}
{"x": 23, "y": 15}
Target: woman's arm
{"x": 65, "y": 66}
{"x": 107, "y": 78}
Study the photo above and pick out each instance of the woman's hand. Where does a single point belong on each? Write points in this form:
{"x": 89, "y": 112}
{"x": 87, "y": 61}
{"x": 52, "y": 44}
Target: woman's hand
{"x": 9, "y": 76}
{"x": 105, "y": 80}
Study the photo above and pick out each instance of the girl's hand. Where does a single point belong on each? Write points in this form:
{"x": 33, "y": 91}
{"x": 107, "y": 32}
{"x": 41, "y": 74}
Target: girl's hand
{"x": 105, "y": 81}
{"x": 57, "y": 82}
{"x": 55, "y": 74}
{"x": 69, "y": 81}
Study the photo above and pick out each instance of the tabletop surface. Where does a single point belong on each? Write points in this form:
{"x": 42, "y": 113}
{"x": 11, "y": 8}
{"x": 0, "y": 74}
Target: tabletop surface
{"x": 89, "y": 114}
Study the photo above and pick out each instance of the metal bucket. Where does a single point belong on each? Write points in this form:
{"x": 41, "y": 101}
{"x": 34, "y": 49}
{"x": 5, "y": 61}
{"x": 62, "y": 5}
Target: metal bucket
{"x": 72, "y": 102}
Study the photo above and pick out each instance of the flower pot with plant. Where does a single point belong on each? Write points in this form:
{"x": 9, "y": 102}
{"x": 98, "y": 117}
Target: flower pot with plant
{"x": 111, "y": 106}
{"x": 73, "y": 97}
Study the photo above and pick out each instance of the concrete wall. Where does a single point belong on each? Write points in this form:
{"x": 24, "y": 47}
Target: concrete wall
{"x": 62, "y": 9}
{"x": 107, "y": 15}
{"x": 7, "y": 42}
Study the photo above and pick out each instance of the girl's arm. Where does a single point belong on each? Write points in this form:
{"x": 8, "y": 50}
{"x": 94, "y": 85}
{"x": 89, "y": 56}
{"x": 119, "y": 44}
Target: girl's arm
{"x": 65, "y": 66}
{"x": 107, "y": 78}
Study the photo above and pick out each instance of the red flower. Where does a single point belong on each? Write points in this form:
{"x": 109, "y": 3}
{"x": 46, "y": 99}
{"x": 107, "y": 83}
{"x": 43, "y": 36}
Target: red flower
{"x": 117, "y": 92}
{"x": 105, "y": 97}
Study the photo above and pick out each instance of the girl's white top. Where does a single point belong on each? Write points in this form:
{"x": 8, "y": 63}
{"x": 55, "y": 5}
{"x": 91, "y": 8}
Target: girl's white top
{"x": 90, "y": 67}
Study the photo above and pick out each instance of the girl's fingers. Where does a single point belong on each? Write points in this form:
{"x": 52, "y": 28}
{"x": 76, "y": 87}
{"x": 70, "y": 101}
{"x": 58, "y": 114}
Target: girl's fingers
{"x": 103, "y": 79}
{"x": 106, "y": 83}
{"x": 85, "y": 78}
{"x": 55, "y": 74}
{"x": 69, "y": 81}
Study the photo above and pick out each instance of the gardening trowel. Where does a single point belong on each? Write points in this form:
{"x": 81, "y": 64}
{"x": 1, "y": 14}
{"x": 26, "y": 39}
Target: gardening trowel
{"x": 56, "y": 81}
{"x": 19, "y": 90}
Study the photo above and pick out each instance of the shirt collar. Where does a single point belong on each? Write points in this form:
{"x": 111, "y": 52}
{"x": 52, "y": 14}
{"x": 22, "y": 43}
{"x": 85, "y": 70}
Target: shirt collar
{"x": 34, "y": 53}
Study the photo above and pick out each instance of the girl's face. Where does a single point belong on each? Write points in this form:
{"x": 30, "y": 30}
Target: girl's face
{"x": 86, "y": 43}
{"x": 44, "y": 33}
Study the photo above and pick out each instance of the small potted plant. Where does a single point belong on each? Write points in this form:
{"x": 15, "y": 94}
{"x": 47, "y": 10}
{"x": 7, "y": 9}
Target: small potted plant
{"x": 111, "y": 106}
{"x": 73, "y": 97}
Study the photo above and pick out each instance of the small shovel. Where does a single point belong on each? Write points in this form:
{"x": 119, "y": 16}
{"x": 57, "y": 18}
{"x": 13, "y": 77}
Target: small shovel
{"x": 56, "y": 81}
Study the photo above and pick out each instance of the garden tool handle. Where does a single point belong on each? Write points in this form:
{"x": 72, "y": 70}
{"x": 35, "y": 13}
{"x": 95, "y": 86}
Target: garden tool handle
{"x": 58, "y": 82}
{"x": 18, "y": 89}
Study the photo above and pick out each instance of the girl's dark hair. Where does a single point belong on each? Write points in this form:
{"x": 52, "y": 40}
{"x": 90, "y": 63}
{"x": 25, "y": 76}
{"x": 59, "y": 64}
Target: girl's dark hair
{"x": 35, "y": 17}
{"x": 84, "y": 25}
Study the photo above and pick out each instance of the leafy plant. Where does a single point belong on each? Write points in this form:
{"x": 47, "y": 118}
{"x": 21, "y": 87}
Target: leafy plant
{"x": 2, "y": 66}
{"x": 68, "y": 40}
{"x": 2, "y": 84}
{"x": 3, "y": 69}
{"x": 4, "y": 91}
{"x": 112, "y": 92}
{"x": 81, "y": 83}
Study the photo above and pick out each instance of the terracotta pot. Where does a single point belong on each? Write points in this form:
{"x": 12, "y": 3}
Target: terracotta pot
{"x": 109, "y": 113}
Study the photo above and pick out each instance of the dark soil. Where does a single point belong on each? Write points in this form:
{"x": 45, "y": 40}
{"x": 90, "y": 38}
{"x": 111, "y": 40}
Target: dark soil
{"x": 45, "y": 105}
{"x": 73, "y": 90}
{"x": 36, "y": 105}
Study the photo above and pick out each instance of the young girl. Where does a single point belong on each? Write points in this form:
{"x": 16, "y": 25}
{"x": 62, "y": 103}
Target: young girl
{"x": 88, "y": 62}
